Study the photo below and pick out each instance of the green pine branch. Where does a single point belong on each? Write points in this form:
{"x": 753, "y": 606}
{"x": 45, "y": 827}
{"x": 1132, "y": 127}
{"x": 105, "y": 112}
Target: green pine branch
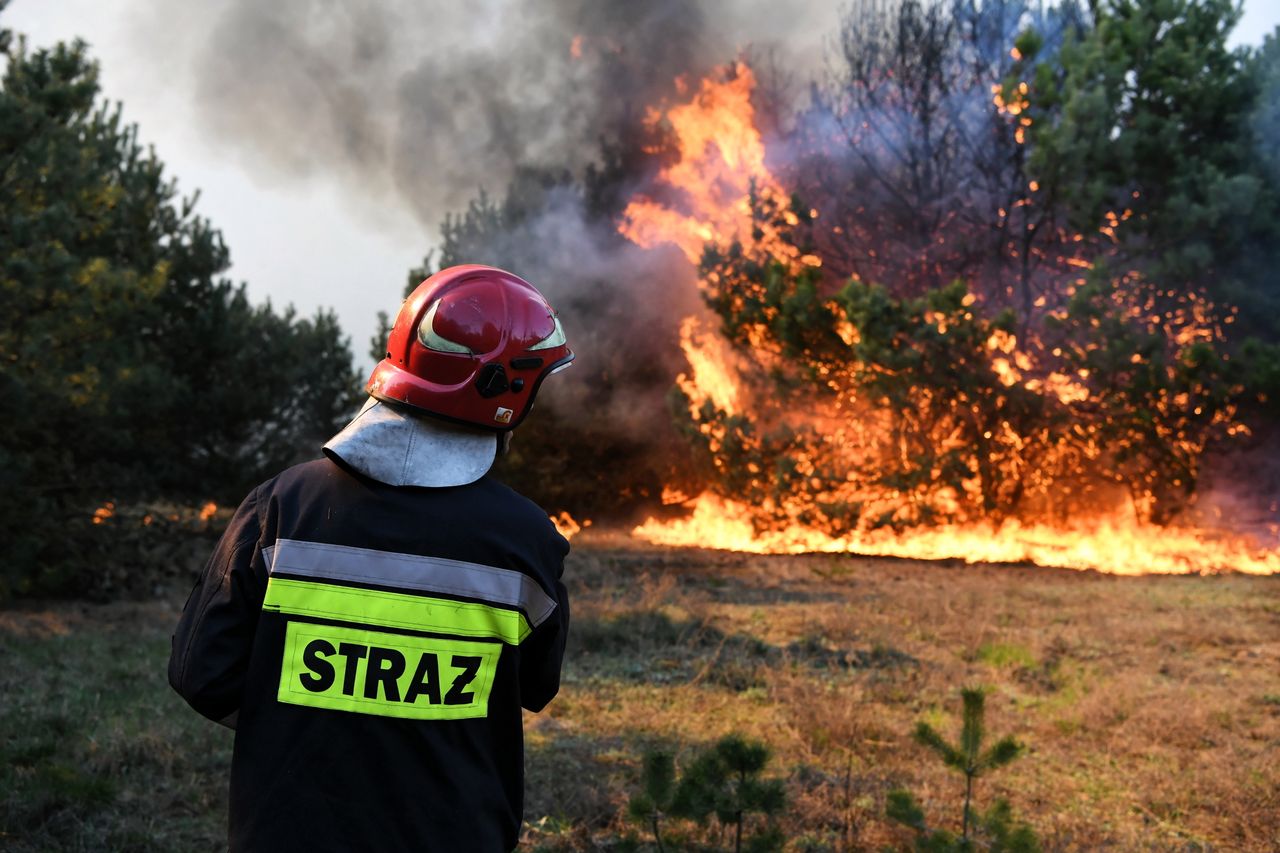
{"x": 997, "y": 825}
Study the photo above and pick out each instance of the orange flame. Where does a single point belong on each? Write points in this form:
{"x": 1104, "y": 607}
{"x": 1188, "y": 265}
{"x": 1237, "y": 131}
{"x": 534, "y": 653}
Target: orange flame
{"x": 565, "y": 524}
{"x": 707, "y": 196}
{"x": 1117, "y": 545}
{"x": 721, "y": 166}
{"x": 712, "y": 373}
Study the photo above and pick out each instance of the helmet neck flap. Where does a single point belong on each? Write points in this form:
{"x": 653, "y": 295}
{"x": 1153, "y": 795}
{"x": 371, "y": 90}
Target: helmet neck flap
{"x": 393, "y": 446}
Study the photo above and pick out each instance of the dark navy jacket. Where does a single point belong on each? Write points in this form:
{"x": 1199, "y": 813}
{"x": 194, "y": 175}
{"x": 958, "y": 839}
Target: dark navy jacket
{"x": 375, "y": 645}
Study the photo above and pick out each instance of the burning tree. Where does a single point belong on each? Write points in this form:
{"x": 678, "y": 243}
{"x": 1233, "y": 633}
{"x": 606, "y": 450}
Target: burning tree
{"x": 918, "y": 179}
{"x": 900, "y": 307}
{"x": 903, "y": 345}
{"x": 898, "y": 411}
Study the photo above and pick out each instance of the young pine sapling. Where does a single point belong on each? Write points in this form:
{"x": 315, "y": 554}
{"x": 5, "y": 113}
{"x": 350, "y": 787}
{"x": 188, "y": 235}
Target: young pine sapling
{"x": 967, "y": 756}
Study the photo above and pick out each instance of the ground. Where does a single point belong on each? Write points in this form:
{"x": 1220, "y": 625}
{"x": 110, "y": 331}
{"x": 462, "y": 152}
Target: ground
{"x": 1149, "y": 706}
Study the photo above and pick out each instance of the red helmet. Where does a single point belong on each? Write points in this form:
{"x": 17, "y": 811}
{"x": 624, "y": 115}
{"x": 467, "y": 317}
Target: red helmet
{"x": 471, "y": 344}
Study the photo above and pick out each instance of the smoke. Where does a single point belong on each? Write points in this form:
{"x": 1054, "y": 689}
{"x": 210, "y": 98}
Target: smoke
{"x": 422, "y": 104}
{"x": 415, "y": 108}
{"x": 412, "y": 108}
{"x": 620, "y": 305}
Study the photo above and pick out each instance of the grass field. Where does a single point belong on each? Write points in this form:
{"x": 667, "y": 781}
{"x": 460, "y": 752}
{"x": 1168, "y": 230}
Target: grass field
{"x": 1150, "y": 706}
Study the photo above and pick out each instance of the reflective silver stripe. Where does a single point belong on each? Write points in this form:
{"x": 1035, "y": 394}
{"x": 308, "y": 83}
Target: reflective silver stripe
{"x": 410, "y": 571}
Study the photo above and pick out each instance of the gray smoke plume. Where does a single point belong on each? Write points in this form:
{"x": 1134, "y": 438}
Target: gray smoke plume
{"x": 427, "y": 102}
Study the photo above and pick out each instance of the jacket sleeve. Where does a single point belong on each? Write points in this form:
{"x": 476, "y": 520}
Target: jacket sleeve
{"x": 543, "y": 652}
{"x": 211, "y": 646}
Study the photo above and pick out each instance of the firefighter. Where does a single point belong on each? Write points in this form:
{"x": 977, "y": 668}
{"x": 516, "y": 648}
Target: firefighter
{"x": 371, "y": 623}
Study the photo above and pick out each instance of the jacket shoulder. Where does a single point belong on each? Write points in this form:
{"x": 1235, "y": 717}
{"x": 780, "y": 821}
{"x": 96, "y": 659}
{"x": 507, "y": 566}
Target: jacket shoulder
{"x": 516, "y": 505}
{"x": 311, "y": 471}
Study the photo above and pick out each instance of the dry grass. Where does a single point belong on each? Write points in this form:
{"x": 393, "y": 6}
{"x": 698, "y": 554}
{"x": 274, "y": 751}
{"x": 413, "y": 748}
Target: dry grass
{"x": 1150, "y": 706}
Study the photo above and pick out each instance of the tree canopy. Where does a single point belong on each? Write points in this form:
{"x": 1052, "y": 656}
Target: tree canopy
{"x": 130, "y": 367}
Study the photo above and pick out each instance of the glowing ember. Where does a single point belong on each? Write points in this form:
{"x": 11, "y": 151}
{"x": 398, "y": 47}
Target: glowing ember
{"x": 102, "y": 513}
{"x": 208, "y": 511}
{"x": 671, "y": 496}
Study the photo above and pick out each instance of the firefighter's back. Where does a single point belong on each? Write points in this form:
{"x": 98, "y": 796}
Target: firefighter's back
{"x": 382, "y": 703}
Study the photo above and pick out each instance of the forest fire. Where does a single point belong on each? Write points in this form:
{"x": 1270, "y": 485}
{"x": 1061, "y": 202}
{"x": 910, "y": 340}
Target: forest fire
{"x": 711, "y": 198}
{"x": 1117, "y": 545}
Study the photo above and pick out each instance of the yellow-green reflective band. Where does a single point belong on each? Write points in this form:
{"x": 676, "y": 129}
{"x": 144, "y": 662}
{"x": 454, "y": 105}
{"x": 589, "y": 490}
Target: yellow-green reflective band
{"x": 387, "y": 675}
{"x": 394, "y": 610}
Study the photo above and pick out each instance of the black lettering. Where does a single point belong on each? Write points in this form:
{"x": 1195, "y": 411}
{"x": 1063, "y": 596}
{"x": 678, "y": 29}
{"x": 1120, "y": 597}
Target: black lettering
{"x": 352, "y": 652}
{"x": 469, "y": 666}
{"x": 385, "y": 666}
{"x": 322, "y": 675}
{"x": 426, "y": 680}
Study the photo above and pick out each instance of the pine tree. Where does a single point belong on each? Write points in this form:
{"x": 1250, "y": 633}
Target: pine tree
{"x": 968, "y": 756}
{"x": 725, "y": 781}
{"x": 130, "y": 368}
{"x": 657, "y": 791}
{"x": 1143, "y": 127}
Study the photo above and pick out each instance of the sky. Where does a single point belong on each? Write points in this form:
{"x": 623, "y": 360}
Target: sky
{"x": 297, "y": 236}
